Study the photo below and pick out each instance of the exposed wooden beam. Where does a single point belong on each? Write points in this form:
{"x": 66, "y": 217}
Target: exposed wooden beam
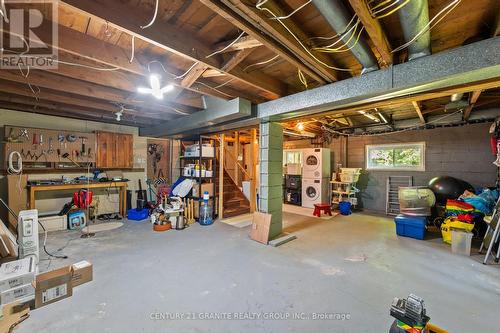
{"x": 71, "y": 113}
{"x": 245, "y": 42}
{"x": 76, "y": 87}
{"x": 374, "y": 30}
{"x": 275, "y": 29}
{"x": 167, "y": 37}
{"x": 231, "y": 63}
{"x": 474, "y": 96}
{"x": 419, "y": 111}
{"x": 234, "y": 18}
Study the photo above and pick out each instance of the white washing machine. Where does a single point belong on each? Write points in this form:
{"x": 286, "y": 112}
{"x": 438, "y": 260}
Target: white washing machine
{"x": 314, "y": 191}
{"x": 316, "y": 163}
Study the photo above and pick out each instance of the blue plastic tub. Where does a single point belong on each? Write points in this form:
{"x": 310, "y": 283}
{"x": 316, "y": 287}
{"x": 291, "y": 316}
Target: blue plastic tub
{"x": 410, "y": 226}
{"x": 138, "y": 215}
{"x": 345, "y": 207}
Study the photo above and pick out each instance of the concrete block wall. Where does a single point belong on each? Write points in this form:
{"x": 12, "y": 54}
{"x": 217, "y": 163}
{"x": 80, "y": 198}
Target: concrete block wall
{"x": 271, "y": 174}
{"x": 461, "y": 152}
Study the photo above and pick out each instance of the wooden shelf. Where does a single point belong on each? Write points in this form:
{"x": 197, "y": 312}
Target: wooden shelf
{"x": 72, "y": 170}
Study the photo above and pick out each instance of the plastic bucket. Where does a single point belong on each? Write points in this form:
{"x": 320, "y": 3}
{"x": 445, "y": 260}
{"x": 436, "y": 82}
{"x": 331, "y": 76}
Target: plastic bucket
{"x": 345, "y": 208}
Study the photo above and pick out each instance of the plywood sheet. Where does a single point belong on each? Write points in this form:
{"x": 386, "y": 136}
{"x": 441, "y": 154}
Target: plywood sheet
{"x": 260, "y": 227}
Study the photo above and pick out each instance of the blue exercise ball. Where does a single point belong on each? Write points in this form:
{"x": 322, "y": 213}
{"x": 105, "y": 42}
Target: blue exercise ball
{"x": 446, "y": 187}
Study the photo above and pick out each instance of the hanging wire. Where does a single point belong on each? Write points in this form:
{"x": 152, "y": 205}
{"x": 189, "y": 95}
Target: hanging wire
{"x": 444, "y": 12}
{"x": 302, "y": 78}
{"x": 174, "y": 76}
{"x": 132, "y": 53}
{"x": 261, "y": 63}
{"x": 344, "y": 47}
{"x": 3, "y": 11}
{"x": 215, "y": 89}
{"x": 292, "y": 13}
{"x": 154, "y": 16}
{"x": 259, "y": 7}
{"x": 226, "y": 47}
{"x": 223, "y": 84}
{"x": 342, "y": 35}
{"x": 338, "y": 34}
{"x": 375, "y": 12}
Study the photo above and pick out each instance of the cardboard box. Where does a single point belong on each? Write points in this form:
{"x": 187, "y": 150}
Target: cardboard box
{"x": 53, "y": 223}
{"x": 53, "y": 286}
{"x": 82, "y": 273}
{"x": 205, "y": 187}
{"x": 17, "y": 294}
{"x": 17, "y": 273}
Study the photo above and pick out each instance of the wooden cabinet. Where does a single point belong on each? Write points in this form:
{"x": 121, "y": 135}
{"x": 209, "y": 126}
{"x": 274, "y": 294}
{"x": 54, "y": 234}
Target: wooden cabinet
{"x": 115, "y": 150}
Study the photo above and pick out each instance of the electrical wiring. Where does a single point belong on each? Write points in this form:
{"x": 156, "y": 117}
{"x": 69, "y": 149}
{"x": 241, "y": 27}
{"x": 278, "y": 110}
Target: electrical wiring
{"x": 174, "y": 76}
{"x": 3, "y": 11}
{"x": 261, "y": 63}
{"x": 302, "y": 78}
{"x": 132, "y": 51}
{"x": 226, "y": 47}
{"x": 154, "y": 16}
{"x": 223, "y": 84}
{"x": 392, "y": 132}
{"x": 215, "y": 89}
{"x": 444, "y": 12}
{"x": 292, "y": 13}
{"x": 338, "y": 34}
{"x": 339, "y": 49}
{"x": 342, "y": 35}
{"x": 392, "y": 11}
{"x": 259, "y": 7}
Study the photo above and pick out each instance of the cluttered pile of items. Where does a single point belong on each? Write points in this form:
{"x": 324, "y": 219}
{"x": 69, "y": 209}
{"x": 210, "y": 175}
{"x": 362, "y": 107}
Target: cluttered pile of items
{"x": 22, "y": 287}
{"x": 455, "y": 208}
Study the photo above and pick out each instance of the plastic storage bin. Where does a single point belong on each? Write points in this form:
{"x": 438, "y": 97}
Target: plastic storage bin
{"x": 410, "y": 226}
{"x": 138, "y": 215}
{"x": 349, "y": 177}
{"x": 461, "y": 242}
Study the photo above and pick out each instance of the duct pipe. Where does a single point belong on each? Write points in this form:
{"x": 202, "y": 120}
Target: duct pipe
{"x": 337, "y": 15}
{"x": 414, "y": 17}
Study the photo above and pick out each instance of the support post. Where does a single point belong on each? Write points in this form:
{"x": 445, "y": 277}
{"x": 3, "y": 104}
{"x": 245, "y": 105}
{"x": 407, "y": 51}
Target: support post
{"x": 221, "y": 175}
{"x": 253, "y": 170}
{"x": 236, "y": 153}
{"x": 271, "y": 174}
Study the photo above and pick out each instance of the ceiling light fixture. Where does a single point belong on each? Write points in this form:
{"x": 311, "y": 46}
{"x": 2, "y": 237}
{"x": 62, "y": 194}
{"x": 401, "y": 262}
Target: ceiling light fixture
{"x": 156, "y": 89}
{"x": 300, "y": 126}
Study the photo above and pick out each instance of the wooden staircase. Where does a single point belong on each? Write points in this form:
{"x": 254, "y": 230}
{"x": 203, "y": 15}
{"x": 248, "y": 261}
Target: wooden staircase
{"x": 235, "y": 203}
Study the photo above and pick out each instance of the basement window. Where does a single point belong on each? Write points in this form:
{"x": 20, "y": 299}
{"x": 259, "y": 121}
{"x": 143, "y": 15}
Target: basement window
{"x": 402, "y": 157}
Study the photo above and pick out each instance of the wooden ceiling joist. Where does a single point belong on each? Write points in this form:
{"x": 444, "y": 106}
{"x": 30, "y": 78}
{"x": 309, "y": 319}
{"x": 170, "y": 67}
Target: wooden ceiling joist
{"x": 416, "y": 105}
{"x": 90, "y": 90}
{"x": 316, "y": 73}
{"x": 375, "y": 32}
{"x": 243, "y": 43}
{"x": 474, "y": 96}
{"x": 169, "y": 38}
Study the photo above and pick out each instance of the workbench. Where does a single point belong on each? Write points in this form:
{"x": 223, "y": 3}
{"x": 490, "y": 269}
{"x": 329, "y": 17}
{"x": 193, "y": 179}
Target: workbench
{"x": 121, "y": 185}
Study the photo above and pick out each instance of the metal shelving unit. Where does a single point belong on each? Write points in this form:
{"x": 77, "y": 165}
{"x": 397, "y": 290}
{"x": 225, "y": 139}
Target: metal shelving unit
{"x": 212, "y": 166}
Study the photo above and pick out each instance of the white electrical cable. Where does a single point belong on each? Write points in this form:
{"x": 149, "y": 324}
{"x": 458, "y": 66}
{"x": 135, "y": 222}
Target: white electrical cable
{"x": 132, "y": 53}
{"x": 339, "y": 34}
{"x": 430, "y": 25}
{"x": 290, "y": 15}
{"x": 215, "y": 89}
{"x": 3, "y": 11}
{"x": 261, "y": 63}
{"x": 226, "y": 47}
{"x": 11, "y": 169}
{"x": 154, "y": 16}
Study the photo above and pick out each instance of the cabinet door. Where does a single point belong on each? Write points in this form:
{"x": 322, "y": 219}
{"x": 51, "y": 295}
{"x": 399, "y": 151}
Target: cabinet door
{"x": 124, "y": 151}
{"x": 105, "y": 149}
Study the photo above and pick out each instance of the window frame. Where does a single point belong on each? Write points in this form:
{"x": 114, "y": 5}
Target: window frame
{"x": 420, "y": 168}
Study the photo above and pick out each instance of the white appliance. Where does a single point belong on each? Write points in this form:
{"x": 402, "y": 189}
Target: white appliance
{"x": 27, "y": 234}
{"x": 316, "y": 163}
{"x": 314, "y": 191}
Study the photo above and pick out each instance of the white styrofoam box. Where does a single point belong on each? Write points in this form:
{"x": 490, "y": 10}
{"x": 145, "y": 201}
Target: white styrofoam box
{"x": 17, "y": 293}
{"x": 53, "y": 223}
{"x": 17, "y": 273}
{"x": 349, "y": 177}
{"x": 194, "y": 151}
{"x": 350, "y": 170}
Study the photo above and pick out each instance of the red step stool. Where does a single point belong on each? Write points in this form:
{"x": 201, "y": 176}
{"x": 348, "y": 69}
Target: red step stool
{"x": 326, "y": 208}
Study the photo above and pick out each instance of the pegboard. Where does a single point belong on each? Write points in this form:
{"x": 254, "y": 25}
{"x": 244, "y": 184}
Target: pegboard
{"x": 39, "y": 145}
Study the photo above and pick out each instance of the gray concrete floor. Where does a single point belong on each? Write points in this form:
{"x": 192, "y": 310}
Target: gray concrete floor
{"x": 353, "y": 265}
